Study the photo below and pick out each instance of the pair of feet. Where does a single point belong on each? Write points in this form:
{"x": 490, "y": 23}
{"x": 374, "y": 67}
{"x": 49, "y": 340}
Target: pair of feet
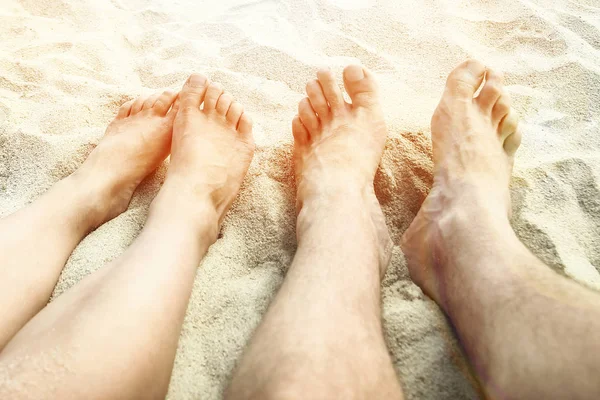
{"x": 207, "y": 133}
{"x": 337, "y": 146}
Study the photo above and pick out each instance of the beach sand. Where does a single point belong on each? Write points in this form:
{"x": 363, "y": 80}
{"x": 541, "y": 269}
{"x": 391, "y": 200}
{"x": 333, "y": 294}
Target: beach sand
{"x": 67, "y": 65}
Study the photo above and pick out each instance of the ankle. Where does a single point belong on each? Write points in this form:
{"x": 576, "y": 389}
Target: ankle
{"x": 90, "y": 198}
{"x": 328, "y": 198}
{"x": 449, "y": 240}
{"x": 330, "y": 184}
{"x": 330, "y": 189}
{"x": 347, "y": 208}
{"x": 476, "y": 193}
{"x": 466, "y": 221}
{"x": 175, "y": 205}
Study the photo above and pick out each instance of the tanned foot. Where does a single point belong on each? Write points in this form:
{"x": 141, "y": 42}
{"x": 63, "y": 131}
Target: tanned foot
{"x": 474, "y": 142}
{"x": 134, "y": 145}
{"x": 211, "y": 151}
{"x": 339, "y": 145}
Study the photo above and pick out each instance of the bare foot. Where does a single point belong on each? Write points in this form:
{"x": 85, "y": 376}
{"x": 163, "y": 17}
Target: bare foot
{"x": 338, "y": 145}
{"x": 134, "y": 145}
{"x": 211, "y": 151}
{"x": 474, "y": 142}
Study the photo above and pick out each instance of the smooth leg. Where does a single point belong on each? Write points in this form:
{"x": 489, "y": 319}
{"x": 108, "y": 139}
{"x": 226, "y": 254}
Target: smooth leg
{"x": 322, "y": 336}
{"x": 36, "y": 241}
{"x": 529, "y": 333}
{"x": 114, "y": 335}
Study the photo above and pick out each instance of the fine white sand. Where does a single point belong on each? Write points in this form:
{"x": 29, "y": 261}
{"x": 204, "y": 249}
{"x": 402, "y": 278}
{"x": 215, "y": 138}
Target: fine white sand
{"x": 66, "y": 66}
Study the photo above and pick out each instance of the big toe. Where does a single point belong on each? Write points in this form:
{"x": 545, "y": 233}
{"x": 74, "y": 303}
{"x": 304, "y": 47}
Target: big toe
{"x": 465, "y": 79}
{"x": 193, "y": 92}
{"x": 361, "y": 85}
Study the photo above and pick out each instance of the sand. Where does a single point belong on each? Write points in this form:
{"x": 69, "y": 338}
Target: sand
{"x": 66, "y": 66}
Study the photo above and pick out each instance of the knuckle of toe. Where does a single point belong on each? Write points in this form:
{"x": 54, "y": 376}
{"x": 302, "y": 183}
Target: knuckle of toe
{"x": 324, "y": 73}
{"x": 474, "y": 65}
{"x": 251, "y": 144}
{"x": 216, "y": 87}
{"x": 461, "y": 83}
{"x": 494, "y": 87}
{"x": 312, "y": 86}
{"x": 188, "y": 109}
{"x": 302, "y": 107}
{"x": 503, "y": 106}
{"x": 505, "y": 97}
{"x": 459, "y": 76}
{"x": 518, "y": 136}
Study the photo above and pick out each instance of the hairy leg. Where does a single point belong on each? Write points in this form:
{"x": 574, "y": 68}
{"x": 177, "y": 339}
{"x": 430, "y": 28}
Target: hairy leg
{"x": 529, "y": 333}
{"x": 322, "y": 336}
{"x": 114, "y": 335}
{"x": 36, "y": 241}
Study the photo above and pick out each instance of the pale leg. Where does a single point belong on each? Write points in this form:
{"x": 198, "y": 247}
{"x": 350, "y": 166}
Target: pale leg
{"x": 114, "y": 335}
{"x": 36, "y": 241}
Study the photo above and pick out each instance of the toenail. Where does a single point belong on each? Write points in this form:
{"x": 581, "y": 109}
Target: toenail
{"x": 355, "y": 74}
{"x": 197, "y": 81}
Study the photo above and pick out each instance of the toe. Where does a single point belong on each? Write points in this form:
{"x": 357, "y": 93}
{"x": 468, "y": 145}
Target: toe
{"x": 150, "y": 101}
{"x": 137, "y": 105}
{"x": 245, "y": 128}
{"x": 361, "y": 86}
{"x": 175, "y": 108}
{"x": 308, "y": 116}
{"x": 193, "y": 92}
{"x": 491, "y": 92}
{"x": 501, "y": 109}
{"x": 164, "y": 102}
{"x": 224, "y": 103}
{"x": 214, "y": 91}
{"x": 512, "y": 143}
{"x": 317, "y": 98}
{"x": 300, "y": 132}
{"x": 125, "y": 110}
{"x": 465, "y": 79}
{"x": 332, "y": 91}
{"x": 235, "y": 113}
{"x": 508, "y": 125}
